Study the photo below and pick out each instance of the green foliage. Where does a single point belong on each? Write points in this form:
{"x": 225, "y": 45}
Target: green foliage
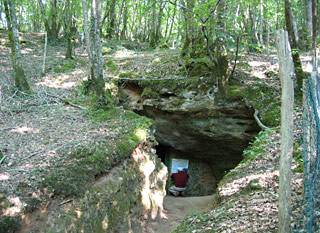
{"x": 261, "y": 97}
{"x": 106, "y": 51}
{"x": 111, "y": 66}
{"x": 67, "y": 65}
{"x": 257, "y": 147}
{"x": 148, "y": 92}
{"x": 298, "y": 158}
{"x": 126, "y": 74}
{"x": 9, "y": 224}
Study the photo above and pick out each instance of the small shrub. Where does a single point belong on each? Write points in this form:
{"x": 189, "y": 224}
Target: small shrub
{"x": 9, "y": 224}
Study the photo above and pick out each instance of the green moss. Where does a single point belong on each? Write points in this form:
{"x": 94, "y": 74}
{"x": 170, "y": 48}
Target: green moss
{"x": 91, "y": 161}
{"x": 177, "y": 102}
{"x": 111, "y": 66}
{"x": 67, "y": 65}
{"x": 253, "y": 185}
{"x": 126, "y": 74}
{"x": 272, "y": 116}
{"x": 149, "y": 93}
{"x": 262, "y": 98}
{"x": 106, "y": 51}
{"x": 235, "y": 92}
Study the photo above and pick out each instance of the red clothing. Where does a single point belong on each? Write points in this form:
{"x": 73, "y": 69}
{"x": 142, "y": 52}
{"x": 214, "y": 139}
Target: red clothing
{"x": 180, "y": 179}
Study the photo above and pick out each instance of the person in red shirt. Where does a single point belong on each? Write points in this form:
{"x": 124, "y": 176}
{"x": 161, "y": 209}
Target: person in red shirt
{"x": 180, "y": 182}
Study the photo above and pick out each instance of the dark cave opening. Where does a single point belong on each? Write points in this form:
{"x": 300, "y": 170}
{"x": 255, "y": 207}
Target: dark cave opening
{"x": 201, "y": 182}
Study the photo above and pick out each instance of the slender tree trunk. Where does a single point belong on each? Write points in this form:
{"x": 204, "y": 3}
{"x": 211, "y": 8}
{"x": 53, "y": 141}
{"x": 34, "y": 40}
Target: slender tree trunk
{"x": 261, "y": 23}
{"x": 189, "y": 30}
{"x": 96, "y": 78}
{"x": 314, "y": 36}
{"x": 153, "y": 35}
{"x": 173, "y": 18}
{"x": 86, "y": 26}
{"x": 309, "y": 22}
{"x": 54, "y": 28}
{"x": 254, "y": 23}
{"x": 69, "y": 29}
{"x": 125, "y": 21}
{"x": 160, "y": 14}
{"x": 20, "y": 79}
{"x": 294, "y": 45}
{"x": 286, "y": 69}
{"x": 111, "y": 19}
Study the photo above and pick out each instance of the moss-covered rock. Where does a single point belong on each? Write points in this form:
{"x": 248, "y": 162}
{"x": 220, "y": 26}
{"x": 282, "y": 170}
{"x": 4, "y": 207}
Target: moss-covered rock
{"x": 118, "y": 201}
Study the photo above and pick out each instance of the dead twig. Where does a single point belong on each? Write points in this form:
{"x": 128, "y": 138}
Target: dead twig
{"x": 2, "y": 159}
{"x": 66, "y": 101}
{"x": 8, "y": 128}
{"x": 16, "y": 170}
{"x": 194, "y": 219}
{"x": 65, "y": 202}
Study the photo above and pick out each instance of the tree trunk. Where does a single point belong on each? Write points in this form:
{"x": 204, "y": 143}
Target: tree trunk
{"x": 261, "y": 23}
{"x": 160, "y": 14}
{"x": 189, "y": 30}
{"x": 96, "y": 82}
{"x": 173, "y": 18}
{"x": 111, "y": 19}
{"x": 69, "y": 29}
{"x": 86, "y": 26}
{"x": 153, "y": 39}
{"x": 294, "y": 45}
{"x": 125, "y": 21}
{"x": 20, "y": 79}
{"x": 54, "y": 28}
{"x": 286, "y": 71}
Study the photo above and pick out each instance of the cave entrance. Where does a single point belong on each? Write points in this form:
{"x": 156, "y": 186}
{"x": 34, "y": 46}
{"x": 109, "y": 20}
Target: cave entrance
{"x": 201, "y": 182}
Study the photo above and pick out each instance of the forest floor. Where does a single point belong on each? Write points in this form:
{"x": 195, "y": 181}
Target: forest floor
{"x": 176, "y": 210}
{"x": 35, "y": 129}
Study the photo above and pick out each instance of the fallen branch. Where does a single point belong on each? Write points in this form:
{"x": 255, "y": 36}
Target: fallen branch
{"x": 66, "y": 201}
{"x": 2, "y": 159}
{"x": 67, "y": 102}
{"x": 194, "y": 219}
{"x": 13, "y": 127}
{"x": 144, "y": 79}
{"x": 17, "y": 170}
{"x": 255, "y": 115}
{"x": 44, "y": 53}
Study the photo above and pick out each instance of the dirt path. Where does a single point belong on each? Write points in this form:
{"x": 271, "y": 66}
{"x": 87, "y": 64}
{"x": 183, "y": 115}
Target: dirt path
{"x": 177, "y": 208}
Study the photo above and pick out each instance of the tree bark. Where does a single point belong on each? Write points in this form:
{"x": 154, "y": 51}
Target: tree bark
{"x": 125, "y": 21}
{"x": 20, "y": 79}
{"x": 261, "y": 23}
{"x": 286, "y": 75}
{"x": 69, "y": 29}
{"x": 294, "y": 45}
{"x": 96, "y": 82}
{"x": 54, "y": 28}
{"x": 86, "y": 26}
{"x": 111, "y": 19}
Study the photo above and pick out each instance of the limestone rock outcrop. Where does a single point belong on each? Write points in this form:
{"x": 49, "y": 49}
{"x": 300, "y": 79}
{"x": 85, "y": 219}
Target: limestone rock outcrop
{"x": 200, "y": 123}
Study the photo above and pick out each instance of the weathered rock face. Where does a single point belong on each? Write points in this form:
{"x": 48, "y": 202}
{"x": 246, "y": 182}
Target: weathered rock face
{"x": 202, "y": 126}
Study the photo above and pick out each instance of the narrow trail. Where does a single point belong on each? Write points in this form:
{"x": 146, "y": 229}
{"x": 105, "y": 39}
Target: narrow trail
{"x": 177, "y": 208}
